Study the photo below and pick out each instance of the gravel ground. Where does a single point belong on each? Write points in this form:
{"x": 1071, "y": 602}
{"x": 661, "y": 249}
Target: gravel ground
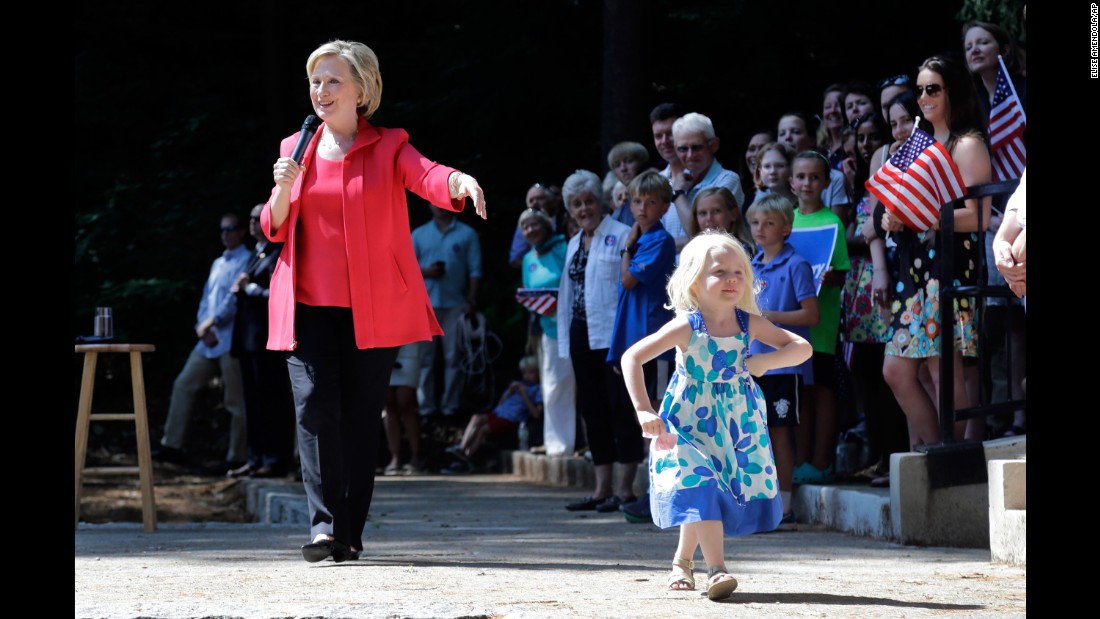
{"x": 493, "y": 546}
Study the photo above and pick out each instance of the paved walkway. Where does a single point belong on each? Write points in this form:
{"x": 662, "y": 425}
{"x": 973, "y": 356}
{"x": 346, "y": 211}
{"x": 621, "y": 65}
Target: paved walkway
{"x": 492, "y": 546}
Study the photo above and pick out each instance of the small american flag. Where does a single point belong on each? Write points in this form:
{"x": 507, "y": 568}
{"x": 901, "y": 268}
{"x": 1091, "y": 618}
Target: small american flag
{"x": 919, "y": 179}
{"x": 542, "y": 301}
{"x": 1006, "y": 129}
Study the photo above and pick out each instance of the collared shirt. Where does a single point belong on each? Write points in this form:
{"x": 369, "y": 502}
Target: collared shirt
{"x": 641, "y": 310}
{"x": 601, "y": 285}
{"x": 457, "y": 246}
{"x": 220, "y": 304}
{"x": 784, "y": 282}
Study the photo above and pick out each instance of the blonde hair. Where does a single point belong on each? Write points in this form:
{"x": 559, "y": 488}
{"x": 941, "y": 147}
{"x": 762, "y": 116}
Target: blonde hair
{"x": 774, "y": 204}
{"x": 530, "y": 362}
{"x": 364, "y": 71}
{"x": 740, "y": 229}
{"x": 681, "y": 286}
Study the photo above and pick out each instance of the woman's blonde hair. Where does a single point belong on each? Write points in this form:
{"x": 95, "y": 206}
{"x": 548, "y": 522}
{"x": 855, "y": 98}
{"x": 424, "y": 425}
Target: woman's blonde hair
{"x": 364, "y": 71}
{"x": 682, "y": 295}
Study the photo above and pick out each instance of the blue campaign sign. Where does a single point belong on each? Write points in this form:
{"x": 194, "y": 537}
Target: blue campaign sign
{"x": 816, "y": 246}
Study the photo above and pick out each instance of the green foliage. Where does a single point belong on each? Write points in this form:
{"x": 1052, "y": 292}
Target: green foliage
{"x": 1007, "y": 14}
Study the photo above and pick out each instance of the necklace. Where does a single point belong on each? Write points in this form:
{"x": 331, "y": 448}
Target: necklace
{"x": 340, "y": 143}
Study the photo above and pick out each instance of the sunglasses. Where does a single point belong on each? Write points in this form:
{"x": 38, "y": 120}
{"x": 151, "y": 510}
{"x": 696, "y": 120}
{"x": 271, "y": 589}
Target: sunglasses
{"x": 897, "y": 80}
{"x": 931, "y": 90}
{"x": 230, "y": 228}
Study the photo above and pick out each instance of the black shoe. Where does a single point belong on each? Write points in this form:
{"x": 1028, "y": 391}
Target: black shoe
{"x": 612, "y": 504}
{"x": 586, "y": 504}
{"x": 163, "y": 453}
{"x": 319, "y": 551}
{"x": 457, "y": 468}
{"x": 637, "y": 511}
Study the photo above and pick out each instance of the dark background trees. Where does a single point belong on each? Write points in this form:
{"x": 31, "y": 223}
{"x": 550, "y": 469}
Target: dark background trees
{"x": 180, "y": 108}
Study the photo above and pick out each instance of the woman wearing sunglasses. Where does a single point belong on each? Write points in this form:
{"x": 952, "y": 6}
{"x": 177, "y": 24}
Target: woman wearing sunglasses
{"x": 947, "y": 103}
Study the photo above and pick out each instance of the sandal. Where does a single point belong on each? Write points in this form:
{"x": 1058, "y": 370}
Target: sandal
{"x": 682, "y": 572}
{"x": 720, "y": 585}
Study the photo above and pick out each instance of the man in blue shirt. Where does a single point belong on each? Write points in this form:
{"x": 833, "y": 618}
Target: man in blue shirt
{"x": 450, "y": 260}
{"x": 214, "y": 328}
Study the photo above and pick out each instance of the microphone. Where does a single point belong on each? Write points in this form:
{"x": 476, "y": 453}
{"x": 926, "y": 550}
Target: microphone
{"x": 309, "y": 127}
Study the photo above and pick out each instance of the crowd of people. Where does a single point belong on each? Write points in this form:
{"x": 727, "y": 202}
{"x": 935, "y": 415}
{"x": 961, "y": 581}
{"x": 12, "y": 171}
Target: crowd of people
{"x": 741, "y": 314}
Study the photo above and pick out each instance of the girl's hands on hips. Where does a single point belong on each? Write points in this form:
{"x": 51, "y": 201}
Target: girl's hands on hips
{"x": 756, "y": 365}
{"x": 652, "y": 425}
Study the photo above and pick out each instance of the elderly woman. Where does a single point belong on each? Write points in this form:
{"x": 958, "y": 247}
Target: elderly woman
{"x": 542, "y": 268}
{"x": 587, "y": 300}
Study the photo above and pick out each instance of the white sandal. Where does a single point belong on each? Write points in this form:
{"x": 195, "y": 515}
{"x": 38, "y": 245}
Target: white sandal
{"x": 682, "y": 571}
{"x": 719, "y": 588}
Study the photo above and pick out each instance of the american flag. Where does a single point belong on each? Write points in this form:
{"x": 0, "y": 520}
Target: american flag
{"x": 542, "y": 301}
{"x": 917, "y": 180}
{"x": 1006, "y": 128}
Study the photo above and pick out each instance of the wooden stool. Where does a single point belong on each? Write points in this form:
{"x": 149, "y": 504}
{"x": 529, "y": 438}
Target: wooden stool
{"x": 84, "y": 417}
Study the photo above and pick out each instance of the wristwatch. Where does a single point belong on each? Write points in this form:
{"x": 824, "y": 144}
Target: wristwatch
{"x": 676, "y": 193}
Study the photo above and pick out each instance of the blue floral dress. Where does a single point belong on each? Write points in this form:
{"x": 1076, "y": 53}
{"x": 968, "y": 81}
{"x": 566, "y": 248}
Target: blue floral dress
{"x": 721, "y": 467}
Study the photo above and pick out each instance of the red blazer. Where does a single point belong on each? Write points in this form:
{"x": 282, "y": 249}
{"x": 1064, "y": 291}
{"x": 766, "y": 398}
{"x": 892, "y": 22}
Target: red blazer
{"x": 389, "y": 303}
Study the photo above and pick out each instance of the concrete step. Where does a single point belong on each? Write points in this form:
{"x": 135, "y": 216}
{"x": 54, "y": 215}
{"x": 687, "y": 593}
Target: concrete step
{"x": 1008, "y": 511}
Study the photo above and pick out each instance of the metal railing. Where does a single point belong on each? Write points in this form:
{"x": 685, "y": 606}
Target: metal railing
{"x": 951, "y": 470}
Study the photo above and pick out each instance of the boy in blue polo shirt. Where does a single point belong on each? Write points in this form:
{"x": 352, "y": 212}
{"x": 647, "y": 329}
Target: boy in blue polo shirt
{"x": 787, "y": 297}
{"x": 647, "y": 262}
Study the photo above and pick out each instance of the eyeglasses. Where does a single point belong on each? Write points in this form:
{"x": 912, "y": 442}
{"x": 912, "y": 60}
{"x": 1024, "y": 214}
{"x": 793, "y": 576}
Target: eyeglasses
{"x": 253, "y": 219}
{"x": 932, "y": 90}
{"x": 897, "y": 80}
{"x": 230, "y": 228}
{"x": 692, "y": 148}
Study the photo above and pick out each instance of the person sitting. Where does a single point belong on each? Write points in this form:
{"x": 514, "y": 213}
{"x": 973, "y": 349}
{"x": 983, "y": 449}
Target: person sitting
{"x": 521, "y": 401}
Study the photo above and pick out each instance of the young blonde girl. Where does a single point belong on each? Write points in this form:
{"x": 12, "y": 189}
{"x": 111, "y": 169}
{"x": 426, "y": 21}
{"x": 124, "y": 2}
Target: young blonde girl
{"x": 716, "y": 208}
{"x": 712, "y": 472}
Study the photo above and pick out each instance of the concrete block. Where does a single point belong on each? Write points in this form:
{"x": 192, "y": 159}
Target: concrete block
{"x": 1008, "y": 511}
{"x": 953, "y": 516}
{"x": 1005, "y": 448}
{"x": 856, "y": 510}
{"x": 285, "y": 508}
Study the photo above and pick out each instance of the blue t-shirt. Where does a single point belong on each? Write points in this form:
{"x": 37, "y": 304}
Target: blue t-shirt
{"x": 784, "y": 283}
{"x": 641, "y": 309}
{"x": 514, "y": 409}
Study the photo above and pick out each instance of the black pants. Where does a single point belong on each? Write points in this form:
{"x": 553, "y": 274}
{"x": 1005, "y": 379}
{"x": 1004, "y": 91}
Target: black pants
{"x": 268, "y": 410}
{"x": 611, "y": 427}
{"x": 339, "y": 392}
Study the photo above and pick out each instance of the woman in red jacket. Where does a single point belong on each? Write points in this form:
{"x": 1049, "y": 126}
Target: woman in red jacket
{"x": 347, "y": 291}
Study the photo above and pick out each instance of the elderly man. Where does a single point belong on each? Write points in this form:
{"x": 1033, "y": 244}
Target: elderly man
{"x": 696, "y": 144}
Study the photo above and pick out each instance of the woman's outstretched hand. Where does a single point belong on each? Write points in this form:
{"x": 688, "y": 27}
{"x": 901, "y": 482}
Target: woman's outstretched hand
{"x": 465, "y": 186}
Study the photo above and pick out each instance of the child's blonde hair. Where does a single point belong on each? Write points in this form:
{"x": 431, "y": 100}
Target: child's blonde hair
{"x": 740, "y": 227}
{"x": 530, "y": 362}
{"x": 774, "y": 204}
{"x": 693, "y": 261}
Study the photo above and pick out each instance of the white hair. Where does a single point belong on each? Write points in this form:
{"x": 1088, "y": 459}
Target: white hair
{"x": 693, "y": 122}
{"x": 580, "y": 182}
